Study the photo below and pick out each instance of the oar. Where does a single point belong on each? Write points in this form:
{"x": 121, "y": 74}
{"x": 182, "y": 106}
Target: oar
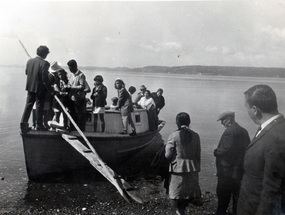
{"x": 110, "y": 177}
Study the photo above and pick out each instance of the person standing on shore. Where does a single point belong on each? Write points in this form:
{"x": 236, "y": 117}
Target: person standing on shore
{"x": 183, "y": 149}
{"x": 37, "y": 86}
{"x": 263, "y": 183}
{"x": 229, "y": 161}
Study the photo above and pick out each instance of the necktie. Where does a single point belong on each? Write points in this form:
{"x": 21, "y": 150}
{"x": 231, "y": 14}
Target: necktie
{"x": 258, "y": 131}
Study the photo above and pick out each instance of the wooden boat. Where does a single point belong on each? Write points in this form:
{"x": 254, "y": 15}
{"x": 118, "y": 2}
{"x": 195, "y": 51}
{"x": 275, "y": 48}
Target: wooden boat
{"x": 47, "y": 153}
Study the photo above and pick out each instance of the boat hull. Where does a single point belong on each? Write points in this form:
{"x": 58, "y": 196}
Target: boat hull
{"x": 48, "y": 154}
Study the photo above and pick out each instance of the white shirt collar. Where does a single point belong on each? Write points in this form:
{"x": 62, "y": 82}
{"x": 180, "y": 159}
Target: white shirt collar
{"x": 263, "y": 125}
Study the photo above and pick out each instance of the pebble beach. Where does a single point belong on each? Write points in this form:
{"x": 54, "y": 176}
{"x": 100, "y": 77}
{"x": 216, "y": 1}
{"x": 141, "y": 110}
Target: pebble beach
{"x": 102, "y": 198}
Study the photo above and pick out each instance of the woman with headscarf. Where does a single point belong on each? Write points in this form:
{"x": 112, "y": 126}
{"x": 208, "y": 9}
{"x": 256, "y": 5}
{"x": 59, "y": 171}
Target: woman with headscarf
{"x": 183, "y": 149}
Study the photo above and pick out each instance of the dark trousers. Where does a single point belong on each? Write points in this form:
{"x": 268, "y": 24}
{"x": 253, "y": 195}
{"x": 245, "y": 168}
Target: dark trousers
{"x": 39, "y": 98}
{"x": 78, "y": 112}
{"x": 101, "y": 115}
{"x": 226, "y": 188}
{"x": 152, "y": 119}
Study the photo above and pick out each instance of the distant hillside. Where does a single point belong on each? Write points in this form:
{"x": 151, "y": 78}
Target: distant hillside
{"x": 204, "y": 70}
{"x": 195, "y": 70}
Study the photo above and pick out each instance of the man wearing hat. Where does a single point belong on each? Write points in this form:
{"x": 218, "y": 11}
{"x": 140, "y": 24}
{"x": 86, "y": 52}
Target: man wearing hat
{"x": 229, "y": 161}
{"x": 140, "y": 94}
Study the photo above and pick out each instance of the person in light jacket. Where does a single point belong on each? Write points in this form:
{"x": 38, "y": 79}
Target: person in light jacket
{"x": 183, "y": 149}
{"x": 78, "y": 87}
{"x": 125, "y": 105}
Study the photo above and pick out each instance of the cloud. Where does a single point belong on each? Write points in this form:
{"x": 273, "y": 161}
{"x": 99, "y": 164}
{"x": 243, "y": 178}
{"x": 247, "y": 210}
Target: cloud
{"x": 218, "y": 50}
{"x": 171, "y": 45}
{"x": 276, "y": 33}
{"x": 110, "y": 40}
{"x": 212, "y": 49}
{"x": 150, "y": 47}
{"x": 162, "y": 46}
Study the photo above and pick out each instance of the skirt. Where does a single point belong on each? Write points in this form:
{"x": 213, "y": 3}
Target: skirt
{"x": 183, "y": 185}
{"x": 98, "y": 110}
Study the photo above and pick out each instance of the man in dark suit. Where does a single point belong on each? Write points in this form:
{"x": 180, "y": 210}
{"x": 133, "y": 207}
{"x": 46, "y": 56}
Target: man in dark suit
{"x": 37, "y": 86}
{"x": 229, "y": 161}
{"x": 263, "y": 183}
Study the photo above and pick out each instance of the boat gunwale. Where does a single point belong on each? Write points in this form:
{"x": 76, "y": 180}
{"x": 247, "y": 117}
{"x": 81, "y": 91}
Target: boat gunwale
{"x": 54, "y": 134}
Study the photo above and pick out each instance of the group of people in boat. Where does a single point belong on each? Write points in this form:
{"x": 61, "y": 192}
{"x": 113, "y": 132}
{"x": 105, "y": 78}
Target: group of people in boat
{"x": 42, "y": 84}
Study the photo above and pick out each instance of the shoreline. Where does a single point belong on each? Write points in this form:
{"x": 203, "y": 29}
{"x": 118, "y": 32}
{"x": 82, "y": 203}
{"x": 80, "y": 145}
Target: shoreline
{"x": 101, "y": 198}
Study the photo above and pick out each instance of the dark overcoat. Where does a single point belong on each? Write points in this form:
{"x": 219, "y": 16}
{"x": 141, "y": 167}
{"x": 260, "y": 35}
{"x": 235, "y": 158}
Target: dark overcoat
{"x": 100, "y": 99}
{"x": 230, "y": 152}
{"x": 37, "y": 75}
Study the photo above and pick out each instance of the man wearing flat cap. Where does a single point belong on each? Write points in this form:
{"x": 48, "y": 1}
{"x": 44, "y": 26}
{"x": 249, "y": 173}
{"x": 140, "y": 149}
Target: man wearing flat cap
{"x": 229, "y": 161}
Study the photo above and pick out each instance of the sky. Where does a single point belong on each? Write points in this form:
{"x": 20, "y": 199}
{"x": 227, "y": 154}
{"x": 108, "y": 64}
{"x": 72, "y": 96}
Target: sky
{"x": 137, "y": 34}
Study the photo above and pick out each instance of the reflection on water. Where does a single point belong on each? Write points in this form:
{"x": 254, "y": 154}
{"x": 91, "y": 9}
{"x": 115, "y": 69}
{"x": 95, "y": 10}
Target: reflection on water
{"x": 203, "y": 97}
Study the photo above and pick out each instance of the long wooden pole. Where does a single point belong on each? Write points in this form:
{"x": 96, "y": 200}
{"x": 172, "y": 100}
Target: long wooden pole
{"x": 110, "y": 177}
{"x": 24, "y": 48}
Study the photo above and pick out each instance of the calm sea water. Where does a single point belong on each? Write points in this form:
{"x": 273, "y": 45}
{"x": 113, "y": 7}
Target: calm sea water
{"x": 203, "y": 97}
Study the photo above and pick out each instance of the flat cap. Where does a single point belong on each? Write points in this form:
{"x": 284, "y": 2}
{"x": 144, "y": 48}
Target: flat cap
{"x": 226, "y": 114}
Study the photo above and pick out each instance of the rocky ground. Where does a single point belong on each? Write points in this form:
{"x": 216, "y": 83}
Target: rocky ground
{"x": 102, "y": 198}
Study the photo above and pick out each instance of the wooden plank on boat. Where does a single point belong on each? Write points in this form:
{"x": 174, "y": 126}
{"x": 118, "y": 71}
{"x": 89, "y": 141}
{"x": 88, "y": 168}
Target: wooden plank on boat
{"x": 127, "y": 190}
{"x": 106, "y": 171}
